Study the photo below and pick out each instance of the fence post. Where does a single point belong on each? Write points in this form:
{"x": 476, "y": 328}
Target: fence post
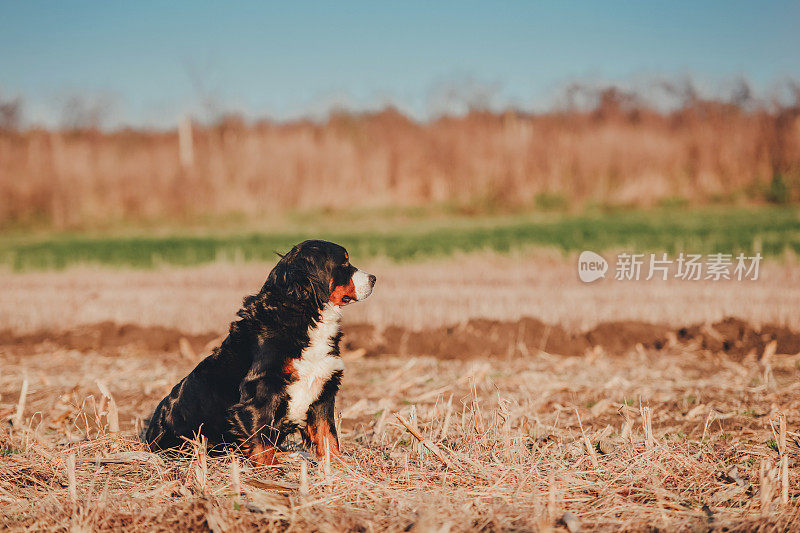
{"x": 185, "y": 144}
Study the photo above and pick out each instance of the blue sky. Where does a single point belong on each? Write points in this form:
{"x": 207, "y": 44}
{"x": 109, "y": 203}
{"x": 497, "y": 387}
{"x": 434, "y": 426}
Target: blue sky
{"x": 152, "y": 62}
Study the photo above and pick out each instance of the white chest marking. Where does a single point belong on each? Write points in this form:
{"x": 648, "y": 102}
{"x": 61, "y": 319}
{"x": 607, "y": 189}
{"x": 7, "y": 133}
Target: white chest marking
{"x": 315, "y": 366}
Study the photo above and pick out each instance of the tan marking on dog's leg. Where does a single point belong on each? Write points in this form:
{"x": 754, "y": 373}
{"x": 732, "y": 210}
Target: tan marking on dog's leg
{"x": 265, "y": 455}
{"x": 319, "y": 434}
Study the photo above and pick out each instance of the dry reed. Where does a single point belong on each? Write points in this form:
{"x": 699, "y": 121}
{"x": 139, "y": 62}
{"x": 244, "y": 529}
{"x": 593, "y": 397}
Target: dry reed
{"x": 617, "y": 153}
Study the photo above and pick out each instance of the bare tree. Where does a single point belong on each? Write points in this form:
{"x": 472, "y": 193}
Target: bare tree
{"x": 208, "y": 94}
{"x": 10, "y": 114}
{"x": 81, "y": 112}
{"x": 461, "y": 94}
{"x": 742, "y": 93}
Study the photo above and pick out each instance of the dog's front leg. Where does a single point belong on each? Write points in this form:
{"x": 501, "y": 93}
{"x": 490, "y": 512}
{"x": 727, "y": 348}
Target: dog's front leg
{"x": 320, "y": 431}
{"x": 322, "y": 436}
{"x": 253, "y": 420}
{"x": 265, "y": 455}
{"x": 253, "y": 425}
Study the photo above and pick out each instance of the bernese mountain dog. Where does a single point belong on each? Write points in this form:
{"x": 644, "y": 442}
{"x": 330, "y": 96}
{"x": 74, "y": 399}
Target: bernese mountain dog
{"x": 279, "y": 368}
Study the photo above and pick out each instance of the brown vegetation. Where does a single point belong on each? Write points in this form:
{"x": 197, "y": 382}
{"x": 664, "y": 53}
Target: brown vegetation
{"x": 619, "y": 150}
{"x": 606, "y": 441}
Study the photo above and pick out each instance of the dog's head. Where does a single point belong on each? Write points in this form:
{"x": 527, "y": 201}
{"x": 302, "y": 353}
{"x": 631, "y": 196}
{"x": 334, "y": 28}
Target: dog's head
{"x": 320, "y": 272}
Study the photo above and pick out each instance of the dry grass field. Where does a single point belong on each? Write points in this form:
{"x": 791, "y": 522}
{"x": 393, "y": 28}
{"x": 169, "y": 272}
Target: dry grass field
{"x": 681, "y": 428}
{"x": 682, "y": 438}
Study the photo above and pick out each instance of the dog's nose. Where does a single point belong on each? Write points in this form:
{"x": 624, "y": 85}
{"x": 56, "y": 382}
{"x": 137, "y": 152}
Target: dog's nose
{"x": 372, "y": 280}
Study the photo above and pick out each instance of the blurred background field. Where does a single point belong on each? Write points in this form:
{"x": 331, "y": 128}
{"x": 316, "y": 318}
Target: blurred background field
{"x": 608, "y": 169}
{"x": 694, "y": 160}
{"x": 475, "y": 147}
{"x": 619, "y": 152}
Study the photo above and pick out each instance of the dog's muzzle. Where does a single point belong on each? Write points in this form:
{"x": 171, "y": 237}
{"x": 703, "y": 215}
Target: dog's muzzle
{"x": 363, "y": 283}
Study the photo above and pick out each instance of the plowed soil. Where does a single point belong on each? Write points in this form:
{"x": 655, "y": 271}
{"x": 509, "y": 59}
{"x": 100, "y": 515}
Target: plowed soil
{"x": 474, "y": 338}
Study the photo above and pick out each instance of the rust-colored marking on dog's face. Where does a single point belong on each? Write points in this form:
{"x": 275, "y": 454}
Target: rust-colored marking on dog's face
{"x": 343, "y": 294}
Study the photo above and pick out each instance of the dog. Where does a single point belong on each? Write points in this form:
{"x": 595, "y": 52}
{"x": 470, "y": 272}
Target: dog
{"x": 279, "y": 368}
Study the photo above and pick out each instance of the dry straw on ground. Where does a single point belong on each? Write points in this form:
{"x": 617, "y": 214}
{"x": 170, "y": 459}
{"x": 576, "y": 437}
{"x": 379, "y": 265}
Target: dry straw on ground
{"x": 682, "y": 439}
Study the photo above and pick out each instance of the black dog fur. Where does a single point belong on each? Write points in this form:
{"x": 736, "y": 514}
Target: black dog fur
{"x": 238, "y": 395}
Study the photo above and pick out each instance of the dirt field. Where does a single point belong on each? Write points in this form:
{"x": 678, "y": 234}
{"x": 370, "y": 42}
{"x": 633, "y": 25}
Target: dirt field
{"x": 611, "y": 407}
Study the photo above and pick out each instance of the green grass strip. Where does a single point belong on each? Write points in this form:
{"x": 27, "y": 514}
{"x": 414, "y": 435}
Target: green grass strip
{"x": 773, "y": 231}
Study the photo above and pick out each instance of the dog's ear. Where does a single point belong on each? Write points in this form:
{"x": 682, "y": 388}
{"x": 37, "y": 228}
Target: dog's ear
{"x": 298, "y": 284}
{"x": 296, "y": 281}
